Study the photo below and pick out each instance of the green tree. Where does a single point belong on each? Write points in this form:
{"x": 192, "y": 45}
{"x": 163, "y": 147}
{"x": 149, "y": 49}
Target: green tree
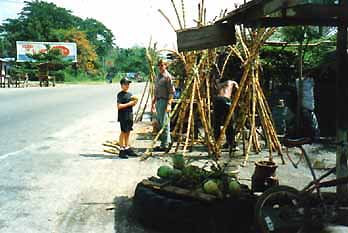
{"x": 4, "y": 45}
{"x": 303, "y": 35}
{"x": 36, "y": 22}
{"x": 130, "y": 60}
{"x": 39, "y": 21}
{"x": 99, "y": 36}
{"x": 87, "y": 57}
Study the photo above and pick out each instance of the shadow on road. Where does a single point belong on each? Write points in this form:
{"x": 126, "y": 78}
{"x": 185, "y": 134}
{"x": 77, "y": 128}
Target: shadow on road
{"x": 99, "y": 156}
{"x": 125, "y": 222}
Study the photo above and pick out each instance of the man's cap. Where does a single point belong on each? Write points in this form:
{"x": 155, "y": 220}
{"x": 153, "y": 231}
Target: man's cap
{"x": 125, "y": 80}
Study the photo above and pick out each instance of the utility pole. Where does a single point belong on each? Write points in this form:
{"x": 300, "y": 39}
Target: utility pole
{"x": 341, "y": 98}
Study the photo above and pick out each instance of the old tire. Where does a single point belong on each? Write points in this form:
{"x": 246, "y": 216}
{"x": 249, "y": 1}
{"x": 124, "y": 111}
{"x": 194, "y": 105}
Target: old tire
{"x": 276, "y": 211}
{"x": 171, "y": 213}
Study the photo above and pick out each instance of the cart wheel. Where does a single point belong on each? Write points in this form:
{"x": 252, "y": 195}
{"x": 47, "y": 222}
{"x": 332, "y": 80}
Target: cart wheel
{"x": 279, "y": 210}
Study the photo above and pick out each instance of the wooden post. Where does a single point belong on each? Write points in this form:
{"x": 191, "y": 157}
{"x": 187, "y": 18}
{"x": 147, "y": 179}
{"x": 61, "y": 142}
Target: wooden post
{"x": 342, "y": 112}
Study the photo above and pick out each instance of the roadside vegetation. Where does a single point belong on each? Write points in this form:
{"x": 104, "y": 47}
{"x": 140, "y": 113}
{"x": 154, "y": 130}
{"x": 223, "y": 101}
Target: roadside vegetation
{"x": 98, "y": 53}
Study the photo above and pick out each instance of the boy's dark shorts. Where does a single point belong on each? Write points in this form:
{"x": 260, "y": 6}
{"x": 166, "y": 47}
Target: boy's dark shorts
{"x": 126, "y": 125}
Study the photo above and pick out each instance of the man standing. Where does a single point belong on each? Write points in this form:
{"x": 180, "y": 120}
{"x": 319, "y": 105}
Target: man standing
{"x": 162, "y": 103}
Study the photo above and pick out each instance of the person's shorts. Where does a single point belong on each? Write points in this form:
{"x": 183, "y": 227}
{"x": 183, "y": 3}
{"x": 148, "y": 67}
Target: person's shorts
{"x": 126, "y": 125}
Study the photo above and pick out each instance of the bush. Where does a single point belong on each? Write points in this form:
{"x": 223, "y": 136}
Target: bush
{"x": 79, "y": 76}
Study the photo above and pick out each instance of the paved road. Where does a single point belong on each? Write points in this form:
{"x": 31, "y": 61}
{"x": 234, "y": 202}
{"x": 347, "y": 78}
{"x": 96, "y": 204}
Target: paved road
{"x": 54, "y": 176}
{"x": 32, "y": 115}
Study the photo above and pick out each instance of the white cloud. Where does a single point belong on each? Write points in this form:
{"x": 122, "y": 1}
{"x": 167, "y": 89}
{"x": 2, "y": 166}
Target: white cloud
{"x": 133, "y": 22}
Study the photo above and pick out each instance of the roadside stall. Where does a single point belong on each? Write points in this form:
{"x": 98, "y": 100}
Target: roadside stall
{"x": 278, "y": 209}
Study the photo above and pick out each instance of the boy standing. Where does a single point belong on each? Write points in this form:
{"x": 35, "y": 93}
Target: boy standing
{"x": 125, "y": 103}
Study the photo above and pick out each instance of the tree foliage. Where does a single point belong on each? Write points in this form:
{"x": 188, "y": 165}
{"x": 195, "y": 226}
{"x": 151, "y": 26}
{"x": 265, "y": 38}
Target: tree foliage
{"x": 98, "y": 35}
{"x": 304, "y": 35}
{"x": 87, "y": 57}
{"x": 130, "y": 60}
{"x": 36, "y": 22}
{"x": 39, "y": 21}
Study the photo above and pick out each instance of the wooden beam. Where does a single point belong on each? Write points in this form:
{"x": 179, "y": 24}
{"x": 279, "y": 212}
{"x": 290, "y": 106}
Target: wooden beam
{"x": 319, "y": 11}
{"x": 289, "y": 21}
{"x": 272, "y": 6}
{"x": 295, "y": 10}
{"x": 206, "y": 37}
{"x": 259, "y": 9}
{"x": 287, "y": 44}
{"x": 305, "y": 14}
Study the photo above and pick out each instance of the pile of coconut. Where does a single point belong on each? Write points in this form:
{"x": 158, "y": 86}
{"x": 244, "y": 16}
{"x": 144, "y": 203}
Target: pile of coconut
{"x": 212, "y": 178}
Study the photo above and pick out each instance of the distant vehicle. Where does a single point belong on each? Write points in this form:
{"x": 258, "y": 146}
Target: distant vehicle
{"x": 131, "y": 75}
{"x": 135, "y": 76}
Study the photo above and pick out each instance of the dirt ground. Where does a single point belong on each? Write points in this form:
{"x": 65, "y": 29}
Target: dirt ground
{"x": 322, "y": 157}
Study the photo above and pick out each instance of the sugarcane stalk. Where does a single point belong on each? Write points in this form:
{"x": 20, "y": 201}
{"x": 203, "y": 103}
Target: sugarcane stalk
{"x": 141, "y": 101}
{"x": 181, "y": 126}
{"x": 183, "y": 13}
{"x": 202, "y": 9}
{"x": 225, "y": 63}
{"x": 199, "y": 15}
{"x": 177, "y": 14}
{"x": 270, "y": 120}
{"x": 253, "y": 113}
{"x": 168, "y": 20}
{"x": 146, "y": 102}
{"x": 208, "y": 132}
{"x": 266, "y": 127}
{"x": 190, "y": 116}
{"x": 193, "y": 130}
{"x": 208, "y": 100}
{"x": 237, "y": 53}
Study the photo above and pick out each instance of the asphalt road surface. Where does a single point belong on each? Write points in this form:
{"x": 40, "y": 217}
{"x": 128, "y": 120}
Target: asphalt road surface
{"x": 32, "y": 115}
{"x": 54, "y": 176}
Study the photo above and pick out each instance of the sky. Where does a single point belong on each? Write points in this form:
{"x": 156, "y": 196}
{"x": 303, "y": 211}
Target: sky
{"x": 133, "y": 22}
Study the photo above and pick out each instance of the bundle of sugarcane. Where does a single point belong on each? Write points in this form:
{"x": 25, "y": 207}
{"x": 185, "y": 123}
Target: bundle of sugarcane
{"x": 198, "y": 65}
{"x": 250, "y": 95}
{"x": 149, "y": 86}
{"x": 113, "y": 147}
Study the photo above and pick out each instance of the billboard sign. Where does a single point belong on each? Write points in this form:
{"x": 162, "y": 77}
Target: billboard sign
{"x": 24, "y": 48}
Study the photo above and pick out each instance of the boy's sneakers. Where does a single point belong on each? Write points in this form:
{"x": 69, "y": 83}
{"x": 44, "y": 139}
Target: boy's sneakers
{"x": 123, "y": 154}
{"x": 130, "y": 152}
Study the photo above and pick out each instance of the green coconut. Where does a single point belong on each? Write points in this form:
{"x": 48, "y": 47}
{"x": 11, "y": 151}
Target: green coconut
{"x": 211, "y": 187}
{"x": 165, "y": 171}
{"x": 178, "y": 161}
{"x": 176, "y": 174}
{"x": 234, "y": 188}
